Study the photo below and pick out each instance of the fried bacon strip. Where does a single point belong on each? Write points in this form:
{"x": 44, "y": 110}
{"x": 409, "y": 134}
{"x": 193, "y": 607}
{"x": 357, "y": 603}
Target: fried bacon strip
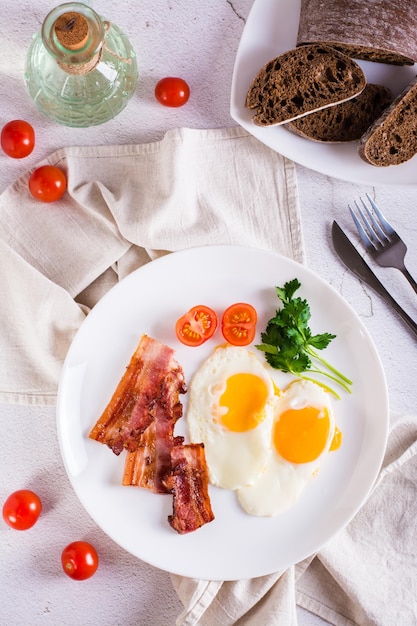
{"x": 188, "y": 482}
{"x": 150, "y": 385}
{"x": 149, "y": 465}
{"x": 141, "y": 418}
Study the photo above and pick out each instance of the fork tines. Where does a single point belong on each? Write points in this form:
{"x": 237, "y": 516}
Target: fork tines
{"x": 372, "y": 233}
{"x": 380, "y": 239}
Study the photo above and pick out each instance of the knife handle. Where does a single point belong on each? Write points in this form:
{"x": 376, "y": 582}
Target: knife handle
{"x": 379, "y": 288}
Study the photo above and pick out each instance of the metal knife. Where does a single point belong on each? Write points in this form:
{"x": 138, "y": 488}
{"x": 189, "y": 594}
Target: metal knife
{"x": 356, "y": 264}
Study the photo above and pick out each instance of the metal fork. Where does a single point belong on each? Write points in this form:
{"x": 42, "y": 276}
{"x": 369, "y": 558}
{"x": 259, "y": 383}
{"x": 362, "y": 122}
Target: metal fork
{"x": 380, "y": 239}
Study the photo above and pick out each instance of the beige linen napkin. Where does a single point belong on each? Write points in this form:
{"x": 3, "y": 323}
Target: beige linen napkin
{"x": 365, "y": 576}
{"x": 125, "y": 206}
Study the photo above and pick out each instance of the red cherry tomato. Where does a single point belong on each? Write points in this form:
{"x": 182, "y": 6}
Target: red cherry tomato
{"x": 196, "y": 326}
{"x": 172, "y": 91}
{"x": 17, "y": 139}
{"x": 22, "y": 509}
{"x": 48, "y": 183}
{"x": 79, "y": 560}
{"x": 239, "y": 324}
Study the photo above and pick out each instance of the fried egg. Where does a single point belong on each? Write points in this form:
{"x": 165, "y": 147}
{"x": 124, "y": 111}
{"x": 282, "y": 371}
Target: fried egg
{"x": 301, "y": 435}
{"x": 231, "y": 404}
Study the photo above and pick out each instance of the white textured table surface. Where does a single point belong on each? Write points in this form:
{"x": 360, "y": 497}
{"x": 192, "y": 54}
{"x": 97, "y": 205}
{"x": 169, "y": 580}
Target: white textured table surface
{"x": 197, "y": 41}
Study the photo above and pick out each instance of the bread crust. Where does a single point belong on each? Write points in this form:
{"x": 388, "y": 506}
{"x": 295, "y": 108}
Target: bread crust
{"x": 392, "y": 138}
{"x": 303, "y": 80}
{"x": 374, "y": 30}
{"x": 346, "y": 121}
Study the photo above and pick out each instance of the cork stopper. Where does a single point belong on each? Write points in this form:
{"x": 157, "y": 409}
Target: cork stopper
{"x": 71, "y": 30}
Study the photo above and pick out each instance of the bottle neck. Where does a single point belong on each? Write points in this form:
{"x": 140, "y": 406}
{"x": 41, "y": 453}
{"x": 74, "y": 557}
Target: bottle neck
{"x": 74, "y": 35}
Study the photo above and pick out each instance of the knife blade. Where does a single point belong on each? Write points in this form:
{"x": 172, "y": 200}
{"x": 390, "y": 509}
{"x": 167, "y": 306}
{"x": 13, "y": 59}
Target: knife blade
{"x": 356, "y": 264}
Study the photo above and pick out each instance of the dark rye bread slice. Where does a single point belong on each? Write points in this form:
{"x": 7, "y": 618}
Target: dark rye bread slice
{"x": 301, "y": 81}
{"x": 392, "y": 139}
{"x": 346, "y": 121}
{"x": 374, "y": 30}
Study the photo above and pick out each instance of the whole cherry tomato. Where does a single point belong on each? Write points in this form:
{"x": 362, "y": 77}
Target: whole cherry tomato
{"x": 196, "y": 326}
{"x": 22, "y": 509}
{"x": 79, "y": 560}
{"x": 17, "y": 139}
{"x": 47, "y": 183}
{"x": 172, "y": 91}
{"x": 239, "y": 324}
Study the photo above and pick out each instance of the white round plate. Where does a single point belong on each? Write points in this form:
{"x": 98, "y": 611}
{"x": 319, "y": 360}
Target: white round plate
{"x": 150, "y": 300}
{"x": 270, "y": 30}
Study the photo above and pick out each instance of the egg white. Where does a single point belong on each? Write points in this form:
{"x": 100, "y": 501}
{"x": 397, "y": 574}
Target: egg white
{"x": 234, "y": 459}
{"x": 281, "y": 483}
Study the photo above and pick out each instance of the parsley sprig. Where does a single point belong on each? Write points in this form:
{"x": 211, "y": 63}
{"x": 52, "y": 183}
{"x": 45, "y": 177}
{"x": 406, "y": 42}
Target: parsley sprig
{"x": 289, "y": 344}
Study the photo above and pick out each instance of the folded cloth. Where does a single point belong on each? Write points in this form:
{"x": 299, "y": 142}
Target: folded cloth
{"x": 365, "y": 576}
{"x": 125, "y": 206}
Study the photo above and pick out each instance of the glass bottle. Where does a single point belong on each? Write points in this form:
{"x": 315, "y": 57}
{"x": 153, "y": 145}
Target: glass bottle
{"x": 80, "y": 69}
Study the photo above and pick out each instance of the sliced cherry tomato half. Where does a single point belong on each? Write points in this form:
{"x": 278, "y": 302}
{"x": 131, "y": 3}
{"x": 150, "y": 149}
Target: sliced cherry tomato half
{"x": 47, "y": 183}
{"x": 239, "y": 324}
{"x": 172, "y": 91}
{"x": 22, "y": 509}
{"x": 17, "y": 139}
{"x": 196, "y": 326}
{"x": 79, "y": 560}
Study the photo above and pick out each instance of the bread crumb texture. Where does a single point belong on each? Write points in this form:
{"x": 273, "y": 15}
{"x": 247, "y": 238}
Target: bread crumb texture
{"x": 303, "y": 80}
{"x": 374, "y": 30}
{"x": 344, "y": 122}
{"x": 392, "y": 139}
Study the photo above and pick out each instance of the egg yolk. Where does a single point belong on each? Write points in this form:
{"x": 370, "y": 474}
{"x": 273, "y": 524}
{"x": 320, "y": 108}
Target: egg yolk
{"x": 243, "y": 399}
{"x": 301, "y": 435}
{"x": 337, "y": 440}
